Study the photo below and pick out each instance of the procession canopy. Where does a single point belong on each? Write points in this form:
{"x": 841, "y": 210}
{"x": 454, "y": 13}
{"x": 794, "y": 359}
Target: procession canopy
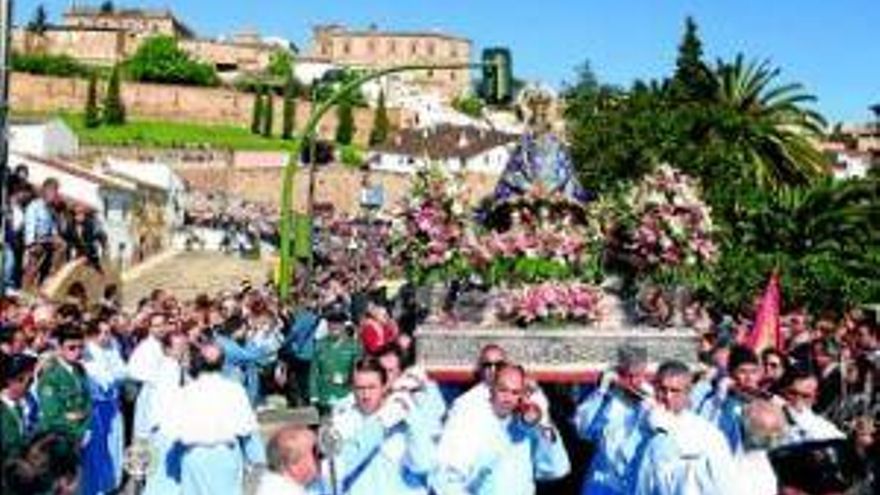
{"x": 539, "y": 173}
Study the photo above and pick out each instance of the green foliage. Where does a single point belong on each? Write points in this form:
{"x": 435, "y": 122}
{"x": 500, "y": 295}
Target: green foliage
{"x": 39, "y": 22}
{"x": 381, "y": 125}
{"x": 351, "y": 156}
{"x": 288, "y": 117}
{"x": 345, "y": 122}
{"x": 160, "y": 60}
{"x": 114, "y": 110}
{"x": 48, "y": 65}
{"x": 692, "y": 81}
{"x": 332, "y": 81}
{"x": 92, "y": 116}
{"x": 257, "y": 113}
{"x": 169, "y": 134}
{"x": 268, "y": 117}
{"x": 470, "y": 105}
{"x": 280, "y": 64}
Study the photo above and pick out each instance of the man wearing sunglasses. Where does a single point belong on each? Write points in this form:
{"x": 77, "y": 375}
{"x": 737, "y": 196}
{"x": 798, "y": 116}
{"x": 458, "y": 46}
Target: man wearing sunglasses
{"x": 62, "y": 388}
{"x": 800, "y": 388}
{"x": 492, "y": 356}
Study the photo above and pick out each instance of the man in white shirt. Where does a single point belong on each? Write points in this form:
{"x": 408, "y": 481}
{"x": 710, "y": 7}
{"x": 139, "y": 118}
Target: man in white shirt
{"x": 502, "y": 445}
{"x": 763, "y": 428}
{"x": 800, "y": 389}
{"x": 682, "y": 453}
{"x": 292, "y": 461}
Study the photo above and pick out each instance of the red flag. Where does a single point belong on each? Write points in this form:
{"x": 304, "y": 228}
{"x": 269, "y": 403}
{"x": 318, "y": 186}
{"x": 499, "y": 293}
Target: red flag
{"x": 767, "y": 332}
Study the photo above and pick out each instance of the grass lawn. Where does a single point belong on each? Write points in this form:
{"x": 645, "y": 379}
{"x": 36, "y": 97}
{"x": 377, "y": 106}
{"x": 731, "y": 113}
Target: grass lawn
{"x": 165, "y": 134}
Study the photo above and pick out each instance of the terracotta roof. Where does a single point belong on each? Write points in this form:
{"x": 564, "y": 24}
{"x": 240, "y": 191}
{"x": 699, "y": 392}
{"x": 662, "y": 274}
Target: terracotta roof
{"x": 444, "y": 141}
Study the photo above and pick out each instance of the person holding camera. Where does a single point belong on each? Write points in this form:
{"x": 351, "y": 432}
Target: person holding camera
{"x": 609, "y": 418}
{"x": 502, "y": 446}
{"x": 386, "y": 442}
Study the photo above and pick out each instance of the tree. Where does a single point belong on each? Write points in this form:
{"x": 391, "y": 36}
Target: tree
{"x": 773, "y": 133}
{"x": 107, "y": 7}
{"x": 160, "y": 60}
{"x": 381, "y": 125}
{"x": 345, "y": 122}
{"x": 470, "y": 105}
{"x": 92, "y": 114}
{"x": 280, "y": 64}
{"x": 114, "y": 110}
{"x": 39, "y": 22}
{"x": 692, "y": 80}
{"x": 268, "y": 107}
{"x": 288, "y": 117}
{"x": 257, "y": 113}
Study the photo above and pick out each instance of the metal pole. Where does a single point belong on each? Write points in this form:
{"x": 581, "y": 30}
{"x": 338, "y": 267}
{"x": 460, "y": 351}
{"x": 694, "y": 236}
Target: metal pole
{"x": 5, "y": 29}
{"x": 317, "y": 112}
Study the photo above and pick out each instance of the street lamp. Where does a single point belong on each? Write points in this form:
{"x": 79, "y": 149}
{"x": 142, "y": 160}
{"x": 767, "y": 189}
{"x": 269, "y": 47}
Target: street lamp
{"x": 5, "y": 29}
{"x": 498, "y": 64}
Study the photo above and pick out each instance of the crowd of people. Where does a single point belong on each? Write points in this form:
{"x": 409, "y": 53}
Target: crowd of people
{"x": 42, "y": 231}
{"x": 243, "y": 222}
{"x": 171, "y": 391}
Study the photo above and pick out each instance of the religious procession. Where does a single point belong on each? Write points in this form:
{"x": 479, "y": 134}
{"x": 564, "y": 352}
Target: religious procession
{"x": 500, "y": 289}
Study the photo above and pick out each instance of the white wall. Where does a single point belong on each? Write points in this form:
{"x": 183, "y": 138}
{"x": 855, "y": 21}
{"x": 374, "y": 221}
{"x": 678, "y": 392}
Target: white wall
{"x": 46, "y": 139}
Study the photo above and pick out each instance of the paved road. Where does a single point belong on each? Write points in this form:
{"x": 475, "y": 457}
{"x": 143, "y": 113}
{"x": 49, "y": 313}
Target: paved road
{"x": 189, "y": 273}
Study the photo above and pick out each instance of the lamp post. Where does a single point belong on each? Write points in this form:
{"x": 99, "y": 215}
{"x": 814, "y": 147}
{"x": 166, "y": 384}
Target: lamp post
{"x": 5, "y": 29}
{"x": 308, "y": 135}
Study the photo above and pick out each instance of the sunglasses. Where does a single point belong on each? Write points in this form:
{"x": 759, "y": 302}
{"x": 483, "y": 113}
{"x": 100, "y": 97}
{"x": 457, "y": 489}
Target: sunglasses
{"x": 72, "y": 347}
{"x": 491, "y": 364}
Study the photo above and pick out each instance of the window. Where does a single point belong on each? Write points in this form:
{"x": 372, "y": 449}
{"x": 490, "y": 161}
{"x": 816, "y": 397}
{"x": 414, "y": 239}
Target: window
{"x": 430, "y": 73}
{"x": 325, "y": 48}
{"x": 346, "y": 47}
{"x": 452, "y": 75}
{"x": 392, "y": 47}
{"x": 414, "y": 47}
{"x": 453, "y": 52}
{"x": 430, "y": 48}
{"x": 371, "y": 46}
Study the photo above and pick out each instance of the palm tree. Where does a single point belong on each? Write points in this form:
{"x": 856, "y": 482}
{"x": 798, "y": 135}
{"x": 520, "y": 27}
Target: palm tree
{"x": 774, "y": 133}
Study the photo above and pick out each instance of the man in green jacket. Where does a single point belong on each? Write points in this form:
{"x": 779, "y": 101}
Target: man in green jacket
{"x": 63, "y": 390}
{"x": 335, "y": 354}
{"x": 17, "y": 373}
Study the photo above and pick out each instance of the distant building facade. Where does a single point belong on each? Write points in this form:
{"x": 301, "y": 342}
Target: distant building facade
{"x": 375, "y": 49}
{"x": 96, "y": 37}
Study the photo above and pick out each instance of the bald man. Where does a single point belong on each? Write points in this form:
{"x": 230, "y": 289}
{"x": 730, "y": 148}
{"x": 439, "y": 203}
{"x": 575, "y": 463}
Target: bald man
{"x": 763, "y": 427}
{"x": 292, "y": 460}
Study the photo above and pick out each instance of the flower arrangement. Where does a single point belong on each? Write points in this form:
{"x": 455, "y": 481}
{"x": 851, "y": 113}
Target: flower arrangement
{"x": 429, "y": 233}
{"x": 552, "y": 302}
{"x": 670, "y": 226}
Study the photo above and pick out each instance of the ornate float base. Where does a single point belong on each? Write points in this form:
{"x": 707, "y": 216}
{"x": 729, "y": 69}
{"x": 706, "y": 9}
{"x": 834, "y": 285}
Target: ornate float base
{"x": 565, "y": 354}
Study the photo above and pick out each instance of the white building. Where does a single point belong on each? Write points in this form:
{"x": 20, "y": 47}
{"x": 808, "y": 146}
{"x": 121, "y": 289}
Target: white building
{"x": 157, "y": 176}
{"x": 851, "y": 164}
{"x": 43, "y": 138}
{"x": 455, "y": 148}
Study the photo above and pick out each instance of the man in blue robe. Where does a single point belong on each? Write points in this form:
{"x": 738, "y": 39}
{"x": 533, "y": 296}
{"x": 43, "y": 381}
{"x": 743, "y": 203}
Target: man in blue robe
{"x": 497, "y": 449}
{"x": 609, "y": 419}
{"x": 387, "y": 440}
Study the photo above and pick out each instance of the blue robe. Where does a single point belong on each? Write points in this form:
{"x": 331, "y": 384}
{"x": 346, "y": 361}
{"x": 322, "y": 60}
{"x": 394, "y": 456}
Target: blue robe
{"x": 482, "y": 454}
{"x": 375, "y": 460}
{"x": 613, "y": 425}
{"x": 103, "y": 453}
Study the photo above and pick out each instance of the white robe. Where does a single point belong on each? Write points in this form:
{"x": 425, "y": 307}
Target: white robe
{"x": 143, "y": 366}
{"x": 687, "y": 455}
{"x": 810, "y": 427}
{"x": 482, "y": 454}
{"x": 755, "y": 474}
{"x": 276, "y": 484}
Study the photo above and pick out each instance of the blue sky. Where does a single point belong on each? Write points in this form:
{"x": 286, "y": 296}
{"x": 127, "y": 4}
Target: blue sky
{"x": 831, "y": 46}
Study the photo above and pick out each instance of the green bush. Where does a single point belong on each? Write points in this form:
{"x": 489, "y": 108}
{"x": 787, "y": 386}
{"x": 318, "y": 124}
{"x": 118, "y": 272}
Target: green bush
{"x": 49, "y": 65}
{"x": 160, "y": 60}
{"x": 469, "y": 105}
{"x": 351, "y": 156}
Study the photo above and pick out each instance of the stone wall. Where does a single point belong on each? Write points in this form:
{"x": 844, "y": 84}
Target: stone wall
{"x": 335, "y": 184}
{"x": 43, "y": 94}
